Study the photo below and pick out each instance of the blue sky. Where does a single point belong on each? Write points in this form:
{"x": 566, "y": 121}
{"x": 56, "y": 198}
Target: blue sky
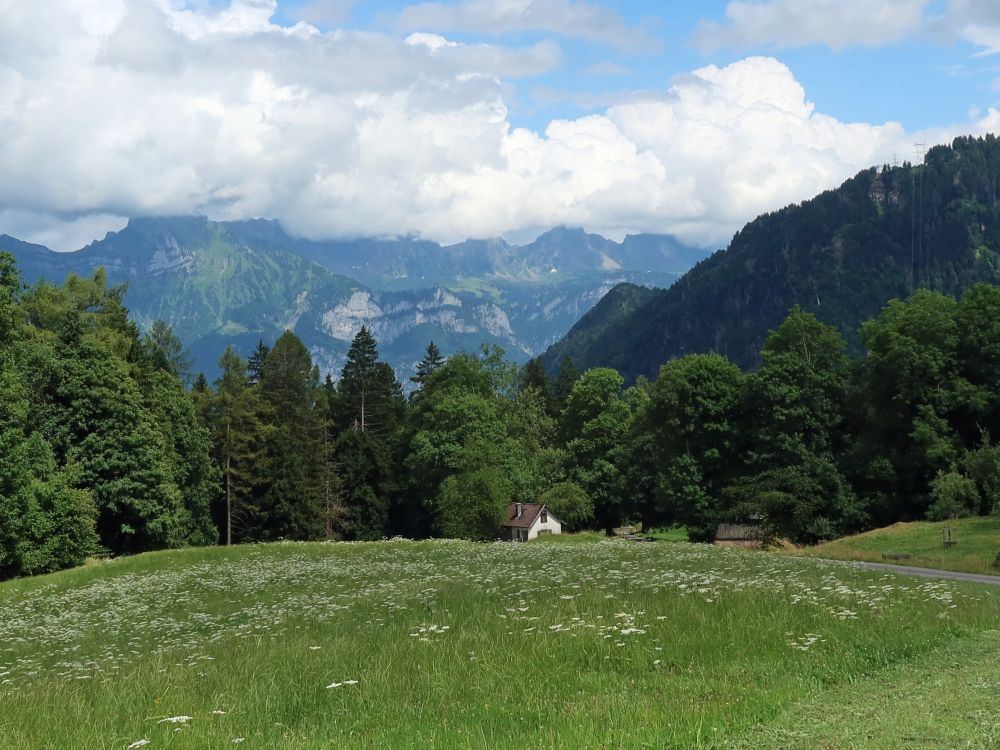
{"x": 472, "y": 118}
{"x": 918, "y": 81}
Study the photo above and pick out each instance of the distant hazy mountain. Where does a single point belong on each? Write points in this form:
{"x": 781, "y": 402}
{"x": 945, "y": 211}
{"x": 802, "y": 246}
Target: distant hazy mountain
{"x": 409, "y": 263}
{"x": 841, "y": 256}
{"x": 220, "y": 283}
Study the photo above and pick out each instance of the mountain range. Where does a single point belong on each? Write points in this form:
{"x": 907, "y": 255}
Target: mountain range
{"x": 842, "y": 256}
{"x": 220, "y": 283}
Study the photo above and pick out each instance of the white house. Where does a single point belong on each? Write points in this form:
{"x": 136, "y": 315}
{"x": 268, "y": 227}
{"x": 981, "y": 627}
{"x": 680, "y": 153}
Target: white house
{"x": 529, "y": 520}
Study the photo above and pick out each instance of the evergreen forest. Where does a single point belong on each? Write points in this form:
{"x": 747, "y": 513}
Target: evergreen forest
{"x": 112, "y": 446}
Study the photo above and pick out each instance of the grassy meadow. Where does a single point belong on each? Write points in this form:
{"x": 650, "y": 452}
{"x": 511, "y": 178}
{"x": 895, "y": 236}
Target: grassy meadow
{"x": 977, "y": 548}
{"x": 447, "y": 644}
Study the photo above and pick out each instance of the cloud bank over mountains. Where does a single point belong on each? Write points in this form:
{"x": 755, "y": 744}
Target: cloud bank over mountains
{"x": 113, "y": 108}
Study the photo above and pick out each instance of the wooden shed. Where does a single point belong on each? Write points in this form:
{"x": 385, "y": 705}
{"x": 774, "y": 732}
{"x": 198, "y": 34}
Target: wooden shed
{"x": 745, "y": 535}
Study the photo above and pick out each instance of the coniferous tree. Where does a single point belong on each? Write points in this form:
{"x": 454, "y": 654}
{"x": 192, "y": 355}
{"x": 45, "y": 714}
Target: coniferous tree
{"x": 533, "y": 376}
{"x": 238, "y": 433}
{"x": 330, "y": 483}
{"x": 255, "y": 363}
{"x": 167, "y": 352}
{"x": 369, "y": 401}
{"x": 290, "y": 504}
{"x": 366, "y": 477}
{"x": 432, "y": 360}
{"x": 369, "y": 398}
{"x": 563, "y": 384}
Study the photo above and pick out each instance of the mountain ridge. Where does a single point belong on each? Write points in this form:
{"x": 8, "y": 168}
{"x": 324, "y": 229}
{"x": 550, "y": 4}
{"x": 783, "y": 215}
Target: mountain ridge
{"x": 841, "y": 255}
{"x": 219, "y": 283}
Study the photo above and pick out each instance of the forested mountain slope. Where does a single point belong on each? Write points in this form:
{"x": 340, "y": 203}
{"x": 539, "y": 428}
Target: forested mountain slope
{"x": 841, "y": 256}
{"x": 614, "y": 308}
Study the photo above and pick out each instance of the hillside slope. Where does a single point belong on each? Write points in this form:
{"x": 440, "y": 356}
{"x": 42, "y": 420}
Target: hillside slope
{"x": 589, "y": 332}
{"x": 841, "y": 255}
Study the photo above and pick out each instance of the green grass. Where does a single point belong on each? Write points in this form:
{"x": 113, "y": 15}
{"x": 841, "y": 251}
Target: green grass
{"x": 946, "y": 700}
{"x": 592, "y": 643}
{"x": 978, "y": 545}
{"x": 672, "y": 534}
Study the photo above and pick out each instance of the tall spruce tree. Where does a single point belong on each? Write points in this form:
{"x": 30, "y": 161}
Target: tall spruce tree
{"x": 369, "y": 398}
{"x": 255, "y": 363}
{"x": 329, "y": 481}
{"x": 290, "y": 504}
{"x": 238, "y": 433}
{"x": 432, "y": 360}
{"x": 369, "y": 401}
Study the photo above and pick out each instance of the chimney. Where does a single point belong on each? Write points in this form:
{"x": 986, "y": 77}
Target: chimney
{"x": 518, "y": 510}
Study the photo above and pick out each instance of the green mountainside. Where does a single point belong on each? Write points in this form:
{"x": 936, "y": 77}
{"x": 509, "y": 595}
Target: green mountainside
{"x": 589, "y": 332}
{"x": 221, "y": 283}
{"x": 841, "y": 256}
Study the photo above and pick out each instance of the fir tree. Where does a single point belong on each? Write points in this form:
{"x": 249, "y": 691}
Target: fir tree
{"x": 237, "y": 428}
{"x": 432, "y": 360}
{"x": 369, "y": 398}
{"x": 255, "y": 363}
{"x": 166, "y": 351}
{"x": 290, "y": 499}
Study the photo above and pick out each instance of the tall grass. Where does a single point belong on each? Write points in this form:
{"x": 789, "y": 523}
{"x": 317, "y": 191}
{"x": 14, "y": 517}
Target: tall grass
{"x": 976, "y": 550}
{"x": 451, "y": 644}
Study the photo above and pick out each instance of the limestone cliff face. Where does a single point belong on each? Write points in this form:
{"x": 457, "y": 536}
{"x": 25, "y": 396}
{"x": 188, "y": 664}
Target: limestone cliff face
{"x": 344, "y": 320}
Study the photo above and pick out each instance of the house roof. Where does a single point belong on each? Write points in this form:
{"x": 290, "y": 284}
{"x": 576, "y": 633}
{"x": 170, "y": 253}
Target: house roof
{"x": 529, "y": 512}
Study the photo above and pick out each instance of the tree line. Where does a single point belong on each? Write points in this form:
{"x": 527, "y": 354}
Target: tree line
{"x": 107, "y": 450}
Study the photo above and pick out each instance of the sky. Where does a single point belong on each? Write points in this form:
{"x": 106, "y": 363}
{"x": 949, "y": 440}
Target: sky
{"x": 471, "y": 118}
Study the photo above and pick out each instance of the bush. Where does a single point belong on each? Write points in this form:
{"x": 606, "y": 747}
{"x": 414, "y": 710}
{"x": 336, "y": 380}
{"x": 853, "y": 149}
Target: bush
{"x": 570, "y": 504}
{"x": 952, "y": 496}
{"x": 471, "y": 505}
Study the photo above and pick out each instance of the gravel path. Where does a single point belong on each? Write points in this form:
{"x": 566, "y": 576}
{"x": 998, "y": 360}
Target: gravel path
{"x": 930, "y": 572}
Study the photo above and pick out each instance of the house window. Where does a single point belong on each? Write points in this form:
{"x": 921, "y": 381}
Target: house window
{"x": 543, "y": 532}
{"x": 545, "y": 516}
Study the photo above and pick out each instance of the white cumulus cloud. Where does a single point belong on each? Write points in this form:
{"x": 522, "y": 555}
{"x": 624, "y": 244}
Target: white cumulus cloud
{"x": 144, "y": 107}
